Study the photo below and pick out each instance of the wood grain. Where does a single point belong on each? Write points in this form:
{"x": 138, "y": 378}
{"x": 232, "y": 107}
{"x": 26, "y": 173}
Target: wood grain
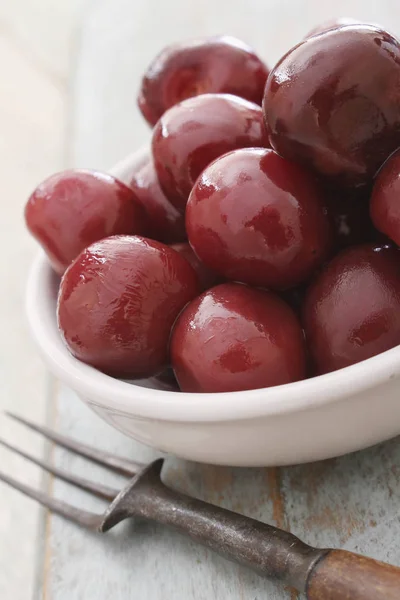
{"x": 345, "y": 576}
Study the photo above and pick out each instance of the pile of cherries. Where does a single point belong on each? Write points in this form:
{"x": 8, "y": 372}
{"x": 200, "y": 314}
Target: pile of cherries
{"x": 256, "y": 244}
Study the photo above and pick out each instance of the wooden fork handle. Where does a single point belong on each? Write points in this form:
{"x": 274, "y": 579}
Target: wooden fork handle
{"x": 341, "y": 575}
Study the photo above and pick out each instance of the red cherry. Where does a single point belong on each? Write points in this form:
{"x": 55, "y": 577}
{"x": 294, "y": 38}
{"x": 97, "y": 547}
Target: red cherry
{"x": 71, "y": 210}
{"x": 332, "y": 103}
{"x": 352, "y": 310}
{"x": 192, "y": 134}
{"x": 233, "y": 338}
{"x": 385, "y": 199}
{"x": 167, "y": 224}
{"x": 206, "y": 277}
{"x": 221, "y": 64}
{"x": 257, "y": 218}
{"x": 118, "y": 301}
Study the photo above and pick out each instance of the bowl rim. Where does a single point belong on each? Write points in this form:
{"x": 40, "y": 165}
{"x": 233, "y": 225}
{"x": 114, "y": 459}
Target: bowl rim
{"x": 162, "y": 405}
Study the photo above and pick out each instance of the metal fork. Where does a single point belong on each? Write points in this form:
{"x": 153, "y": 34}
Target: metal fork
{"x": 322, "y": 574}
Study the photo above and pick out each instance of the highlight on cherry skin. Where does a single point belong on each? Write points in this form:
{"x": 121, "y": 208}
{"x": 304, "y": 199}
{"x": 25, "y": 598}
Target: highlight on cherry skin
{"x": 220, "y": 64}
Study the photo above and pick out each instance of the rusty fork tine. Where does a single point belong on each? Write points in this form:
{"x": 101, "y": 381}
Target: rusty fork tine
{"x": 117, "y": 464}
{"x": 81, "y": 517}
{"x": 97, "y": 489}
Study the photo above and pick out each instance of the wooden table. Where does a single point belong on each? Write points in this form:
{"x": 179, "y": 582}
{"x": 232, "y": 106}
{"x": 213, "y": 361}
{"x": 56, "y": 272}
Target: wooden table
{"x": 351, "y": 502}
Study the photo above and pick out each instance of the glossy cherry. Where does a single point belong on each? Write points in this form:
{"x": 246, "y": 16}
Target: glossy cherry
{"x": 166, "y": 223}
{"x": 332, "y": 103}
{"x": 192, "y": 134}
{"x": 257, "y": 218}
{"x": 206, "y": 276}
{"x": 352, "y": 311}
{"x": 385, "y": 199}
{"x": 220, "y": 64}
{"x": 71, "y": 210}
{"x": 118, "y": 302}
{"x": 234, "y": 338}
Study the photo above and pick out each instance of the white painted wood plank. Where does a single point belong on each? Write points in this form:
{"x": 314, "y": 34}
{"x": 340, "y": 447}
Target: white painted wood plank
{"x": 144, "y": 560}
{"x": 32, "y": 113}
{"x": 349, "y": 502}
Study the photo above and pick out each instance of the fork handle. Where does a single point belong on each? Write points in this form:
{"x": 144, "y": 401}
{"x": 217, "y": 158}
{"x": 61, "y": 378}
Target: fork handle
{"x": 342, "y": 575}
{"x": 272, "y": 552}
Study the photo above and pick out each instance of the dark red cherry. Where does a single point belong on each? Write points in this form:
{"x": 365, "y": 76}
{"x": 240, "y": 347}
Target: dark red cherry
{"x": 385, "y": 199}
{"x": 220, "y": 64}
{"x": 257, "y": 218}
{"x": 206, "y": 277}
{"x": 71, "y": 210}
{"x": 192, "y": 134}
{"x": 166, "y": 223}
{"x": 332, "y": 103}
{"x": 352, "y": 310}
{"x": 234, "y": 338}
{"x": 118, "y": 302}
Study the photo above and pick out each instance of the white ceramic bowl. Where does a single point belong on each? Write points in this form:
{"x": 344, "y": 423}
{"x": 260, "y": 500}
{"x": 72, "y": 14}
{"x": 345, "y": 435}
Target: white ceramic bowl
{"x": 309, "y": 420}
